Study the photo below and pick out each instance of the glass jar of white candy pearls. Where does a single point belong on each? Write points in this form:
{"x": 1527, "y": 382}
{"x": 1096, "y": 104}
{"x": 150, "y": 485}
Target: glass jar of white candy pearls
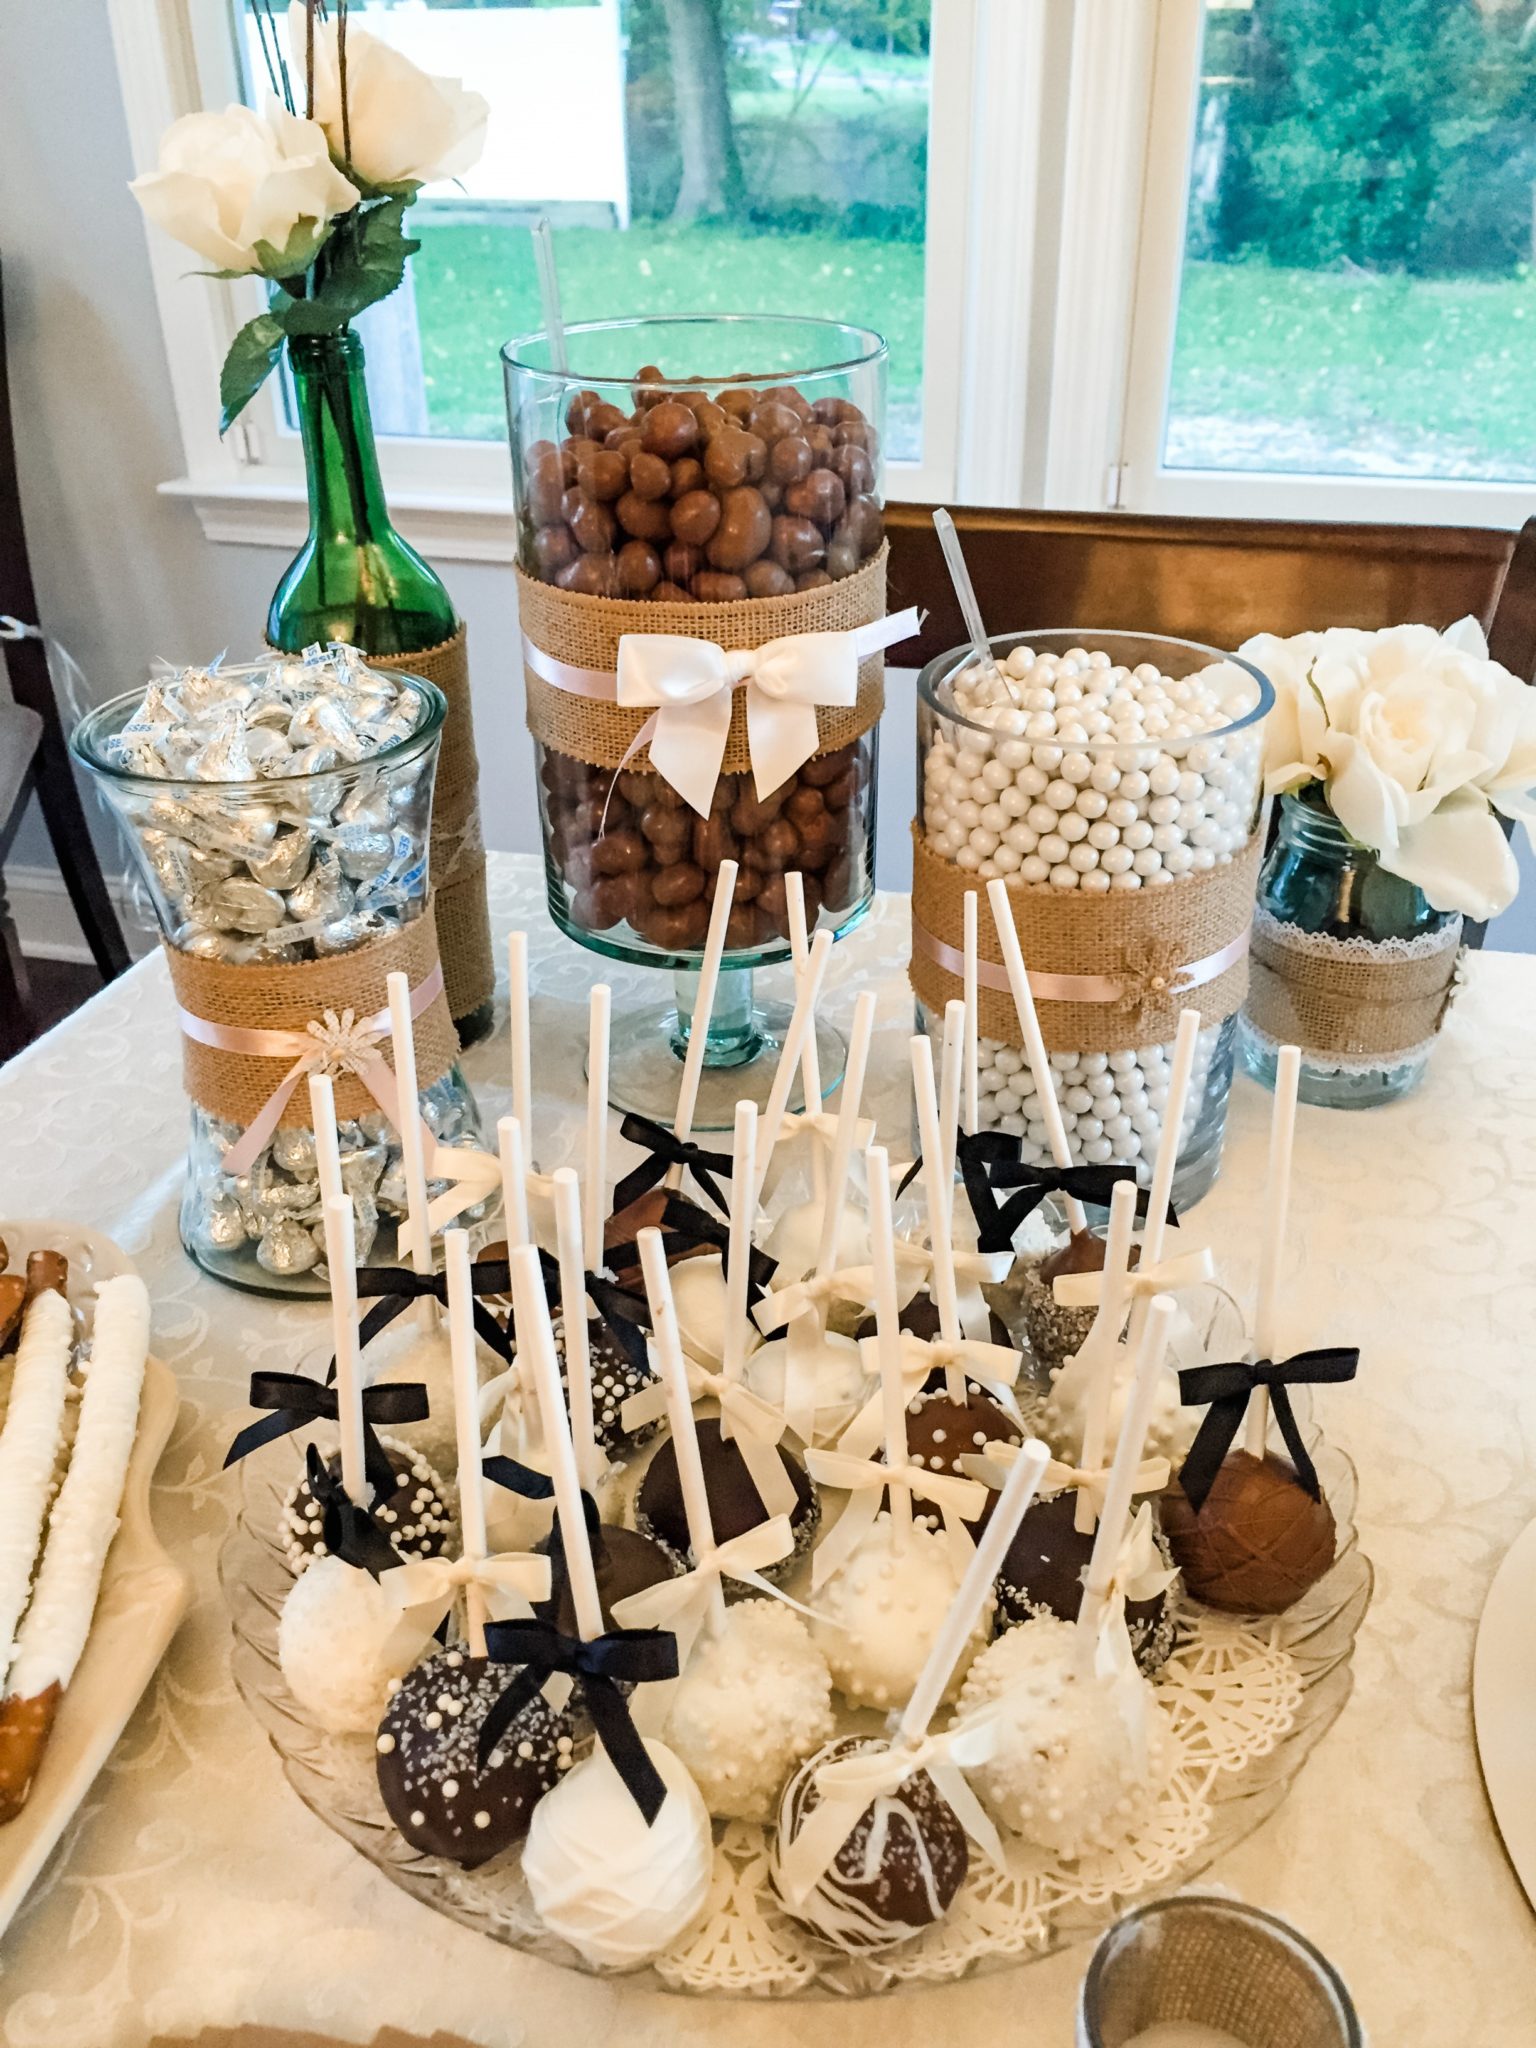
{"x": 1113, "y": 781}
{"x": 279, "y": 815}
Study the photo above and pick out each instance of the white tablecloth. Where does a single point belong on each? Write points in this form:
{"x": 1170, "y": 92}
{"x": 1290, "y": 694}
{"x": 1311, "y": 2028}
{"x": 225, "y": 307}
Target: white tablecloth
{"x": 194, "y": 1889}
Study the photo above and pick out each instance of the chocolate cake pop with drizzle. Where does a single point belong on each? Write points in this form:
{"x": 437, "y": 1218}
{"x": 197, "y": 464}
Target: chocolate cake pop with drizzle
{"x": 871, "y": 1841}
{"x": 440, "y": 1796}
{"x": 1077, "y": 1728}
{"x": 754, "y": 1694}
{"x": 615, "y": 1877}
{"x": 884, "y": 1582}
{"x": 1253, "y": 1533}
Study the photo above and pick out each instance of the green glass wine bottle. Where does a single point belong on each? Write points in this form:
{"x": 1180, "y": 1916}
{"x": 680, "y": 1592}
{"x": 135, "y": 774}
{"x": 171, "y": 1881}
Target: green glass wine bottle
{"x": 355, "y": 578}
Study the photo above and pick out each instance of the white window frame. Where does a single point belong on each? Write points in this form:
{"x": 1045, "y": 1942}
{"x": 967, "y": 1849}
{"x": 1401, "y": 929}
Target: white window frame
{"x": 1161, "y": 88}
{"x": 454, "y": 497}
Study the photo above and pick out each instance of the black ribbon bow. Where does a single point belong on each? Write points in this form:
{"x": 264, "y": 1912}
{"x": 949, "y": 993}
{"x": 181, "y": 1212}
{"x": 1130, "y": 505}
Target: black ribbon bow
{"x": 296, "y": 1400}
{"x": 633, "y": 1656}
{"x": 625, "y": 1317}
{"x": 392, "y": 1289}
{"x": 667, "y": 1150}
{"x": 347, "y": 1530}
{"x": 990, "y": 1160}
{"x": 1228, "y": 1388}
{"x": 688, "y": 1226}
{"x": 517, "y": 1478}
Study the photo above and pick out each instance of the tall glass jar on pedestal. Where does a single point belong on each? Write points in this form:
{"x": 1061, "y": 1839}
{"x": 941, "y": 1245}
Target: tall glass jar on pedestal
{"x": 717, "y": 479}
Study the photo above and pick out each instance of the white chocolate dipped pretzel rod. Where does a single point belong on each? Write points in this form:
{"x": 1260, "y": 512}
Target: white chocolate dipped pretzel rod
{"x": 28, "y": 1449}
{"x": 80, "y": 1531}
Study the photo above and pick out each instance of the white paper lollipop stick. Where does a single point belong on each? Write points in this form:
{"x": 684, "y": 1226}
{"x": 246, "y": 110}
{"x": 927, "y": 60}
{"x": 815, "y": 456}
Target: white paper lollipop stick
{"x": 418, "y": 1230}
{"x": 322, "y": 1114}
{"x": 986, "y": 1562}
{"x": 590, "y": 1463}
{"x": 970, "y": 984}
{"x": 810, "y": 1056}
{"x": 685, "y": 1433}
{"x": 951, "y": 1076}
{"x": 520, "y": 1031}
{"x": 1150, "y": 1351}
{"x": 595, "y": 1170}
{"x": 530, "y": 1314}
{"x": 341, "y": 1258}
{"x": 703, "y": 1010}
{"x": 1034, "y": 1045}
{"x": 945, "y": 1294}
{"x": 893, "y": 1392}
{"x": 803, "y": 1019}
{"x": 1102, "y": 1345}
{"x": 739, "y": 1247}
{"x": 466, "y": 1422}
{"x": 1277, "y": 1203}
{"x": 1160, "y": 1194}
{"x": 849, "y": 1101}
{"x": 514, "y": 1179}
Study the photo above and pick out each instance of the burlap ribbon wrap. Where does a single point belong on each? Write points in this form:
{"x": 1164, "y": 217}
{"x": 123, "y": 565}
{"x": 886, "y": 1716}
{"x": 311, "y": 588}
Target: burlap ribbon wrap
{"x": 1344, "y": 997}
{"x": 236, "y": 1085}
{"x": 1107, "y": 971}
{"x": 457, "y": 849}
{"x": 562, "y": 629}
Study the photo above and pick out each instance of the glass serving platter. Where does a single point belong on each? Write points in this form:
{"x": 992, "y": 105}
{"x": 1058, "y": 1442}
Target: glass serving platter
{"x": 1247, "y": 1702}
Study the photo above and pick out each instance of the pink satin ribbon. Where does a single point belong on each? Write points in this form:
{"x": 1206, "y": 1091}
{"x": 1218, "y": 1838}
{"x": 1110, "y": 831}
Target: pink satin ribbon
{"x": 1075, "y": 988}
{"x": 314, "y": 1050}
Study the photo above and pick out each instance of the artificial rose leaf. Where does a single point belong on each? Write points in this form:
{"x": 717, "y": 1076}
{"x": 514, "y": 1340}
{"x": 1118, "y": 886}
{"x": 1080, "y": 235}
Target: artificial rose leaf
{"x": 253, "y": 355}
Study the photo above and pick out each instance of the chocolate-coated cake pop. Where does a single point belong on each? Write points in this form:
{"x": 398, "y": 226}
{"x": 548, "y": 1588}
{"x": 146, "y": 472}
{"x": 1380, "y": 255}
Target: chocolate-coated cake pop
{"x": 1043, "y": 1573}
{"x": 897, "y": 1872}
{"x": 414, "y": 1515}
{"x": 734, "y": 1502}
{"x": 920, "y": 1318}
{"x": 430, "y": 1778}
{"x": 1259, "y": 1541}
{"x": 623, "y": 1561}
{"x": 615, "y": 1376}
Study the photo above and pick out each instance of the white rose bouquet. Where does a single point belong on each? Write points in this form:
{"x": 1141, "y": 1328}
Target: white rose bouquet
{"x": 316, "y": 201}
{"x": 1415, "y": 739}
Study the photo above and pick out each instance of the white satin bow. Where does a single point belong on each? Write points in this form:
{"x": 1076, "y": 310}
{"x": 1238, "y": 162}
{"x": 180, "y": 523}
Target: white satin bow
{"x": 425, "y": 1588}
{"x": 864, "y": 1480}
{"x": 691, "y": 683}
{"x": 1185, "y": 1269}
{"x": 754, "y": 1424}
{"x": 850, "y": 1785}
{"x": 994, "y": 1368}
{"x": 681, "y": 1605}
{"x": 991, "y": 1468}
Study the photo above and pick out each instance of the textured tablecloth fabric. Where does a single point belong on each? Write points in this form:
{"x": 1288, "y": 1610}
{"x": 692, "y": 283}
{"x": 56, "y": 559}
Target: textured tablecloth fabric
{"x": 194, "y": 1890}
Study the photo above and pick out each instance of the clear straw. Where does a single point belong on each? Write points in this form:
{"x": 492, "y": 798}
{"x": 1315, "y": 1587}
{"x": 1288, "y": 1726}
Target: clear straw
{"x": 549, "y": 293}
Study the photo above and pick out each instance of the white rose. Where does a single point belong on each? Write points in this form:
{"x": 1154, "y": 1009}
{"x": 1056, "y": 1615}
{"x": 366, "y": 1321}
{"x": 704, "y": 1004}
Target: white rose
{"x": 403, "y": 125}
{"x": 229, "y": 181}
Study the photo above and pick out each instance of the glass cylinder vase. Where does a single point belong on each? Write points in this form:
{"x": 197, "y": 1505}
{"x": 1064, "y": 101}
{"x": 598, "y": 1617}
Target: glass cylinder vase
{"x": 718, "y": 479}
{"x": 1351, "y": 963}
{"x": 283, "y": 871}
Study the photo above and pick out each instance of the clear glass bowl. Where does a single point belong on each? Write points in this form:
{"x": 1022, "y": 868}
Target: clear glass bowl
{"x": 707, "y": 461}
{"x": 335, "y": 1777}
{"x": 369, "y": 822}
{"x": 1124, "y": 795}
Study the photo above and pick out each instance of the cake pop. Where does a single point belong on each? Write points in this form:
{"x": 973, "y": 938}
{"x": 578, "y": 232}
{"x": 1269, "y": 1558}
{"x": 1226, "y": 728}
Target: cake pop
{"x": 619, "y": 1856}
{"x": 871, "y": 1843}
{"x": 735, "y": 1504}
{"x": 754, "y": 1694}
{"x": 414, "y": 1511}
{"x": 828, "y": 1367}
{"x": 1251, "y": 1532}
{"x": 624, "y": 1563}
{"x": 1044, "y": 1570}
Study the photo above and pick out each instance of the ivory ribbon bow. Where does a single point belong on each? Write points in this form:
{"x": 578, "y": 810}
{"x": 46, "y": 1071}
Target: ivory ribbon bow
{"x": 755, "y": 1426}
{"x": 425, "y": 1589}
{"x": 346, "y": 1044}
{"x": 993, "y": 1367}
{"x": 1139, "y": 1574}
{"x": 813, "y": 1295}
{"x": 991, "y": 1468}
{"x": 865, "y": 1480}
{"x": 681, "y": 1605}
{"x": 850, "y": 1785}
{"x": 1185, "y": 1269}
{"x": 691, "y": 684}
{"x": 973, "y": 1269}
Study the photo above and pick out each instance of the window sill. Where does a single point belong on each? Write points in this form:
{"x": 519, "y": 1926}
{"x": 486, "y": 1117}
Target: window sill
{"x": 271, "y": 514}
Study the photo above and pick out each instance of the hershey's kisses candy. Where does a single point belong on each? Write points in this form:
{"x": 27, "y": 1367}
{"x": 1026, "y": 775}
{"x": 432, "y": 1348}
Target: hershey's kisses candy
{"x": 362, "y": 1170}
{"x": 362, "y": 852}
{"x": 206, "y": 944}
{"x": 322, "y": 722}
{"x": 168, "y": 859}
{"x": 269, "y": 749}
{"x": 367, "y": 805}
{"x": 324, "y": 893}
{"x": 225, "y": 757}
{"x": 347, "y": 932}
{"x": 287, "y": 1247}
{"x": 293, "y": 1149}
{"x": 285, "y": 863}
{"x": 221, "y": 1226}
{"x": 235, "y": 905}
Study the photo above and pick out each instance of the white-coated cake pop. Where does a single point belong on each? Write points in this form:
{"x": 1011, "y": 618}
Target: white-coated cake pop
{"x": 616, "y": 1889}
{"x": 842, "y": 1384}
{"x": 1068, "y": 1772}
{"x": 753, "y": 1701}
{"x": 1170, "y": 1432}
{"x": 338, "y": 1644}
{"x": 795, "y": 1240}
{"x": 403, "y": 1354}
{"x": 698, "y": 1289}
{"x": 880, "y": 1614}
